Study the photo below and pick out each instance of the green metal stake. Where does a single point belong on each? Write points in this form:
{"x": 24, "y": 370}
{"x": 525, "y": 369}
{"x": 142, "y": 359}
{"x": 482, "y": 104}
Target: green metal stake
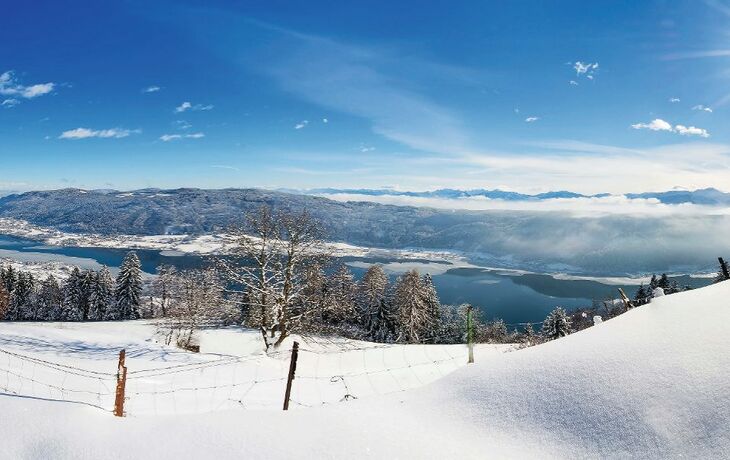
{"x": 470, "y": 332}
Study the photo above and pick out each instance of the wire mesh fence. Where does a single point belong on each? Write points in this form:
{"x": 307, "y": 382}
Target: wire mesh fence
{"x": 325, "y": 375}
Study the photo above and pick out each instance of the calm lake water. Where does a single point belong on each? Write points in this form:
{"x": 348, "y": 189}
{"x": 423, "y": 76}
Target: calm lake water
{"x": 514, "y": 298}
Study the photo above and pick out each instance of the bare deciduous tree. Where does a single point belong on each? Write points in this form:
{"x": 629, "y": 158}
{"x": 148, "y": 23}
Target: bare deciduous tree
{"x": 271, "y": 252}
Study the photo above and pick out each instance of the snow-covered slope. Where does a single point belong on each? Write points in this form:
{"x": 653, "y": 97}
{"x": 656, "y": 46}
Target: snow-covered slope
{"x": 653, "y": 383}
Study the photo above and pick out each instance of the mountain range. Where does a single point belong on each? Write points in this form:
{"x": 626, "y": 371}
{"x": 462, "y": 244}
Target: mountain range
{"x": 616, "y": 244}
{"x": 708, "y": 196}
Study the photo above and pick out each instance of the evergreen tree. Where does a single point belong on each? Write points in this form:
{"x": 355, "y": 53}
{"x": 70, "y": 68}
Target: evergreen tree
{"x": 50, "y": 300}
{"x": 129, "y": 287}
{"x": 313, "y": 301}
{"x": 496, "y": 331}
{"x": 430, "y": 300}
{"x": 641, "y": 293}
{"x": 4, "y": 301}
{"x": 8, "y": 277}
{"x": 416, "y": 321}
{"x": 378, "y": 317}
{"x": 528, "y": 337}
{"x": 664, "y": 283}
{"x": 73, "y": 297}
{"x": 653, "y": 283}
{"x": 101, "y": 295}
{"x": 21, "y": 298}
{"x": 556, "y": 325}
{"x": 341, "y": 306}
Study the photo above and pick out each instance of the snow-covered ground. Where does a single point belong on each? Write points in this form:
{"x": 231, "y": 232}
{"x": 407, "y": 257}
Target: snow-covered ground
{"x": 652, "y": 383}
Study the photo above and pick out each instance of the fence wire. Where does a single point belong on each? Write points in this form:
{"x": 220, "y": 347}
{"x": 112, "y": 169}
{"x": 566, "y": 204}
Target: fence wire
{"x": 329, "y": 374}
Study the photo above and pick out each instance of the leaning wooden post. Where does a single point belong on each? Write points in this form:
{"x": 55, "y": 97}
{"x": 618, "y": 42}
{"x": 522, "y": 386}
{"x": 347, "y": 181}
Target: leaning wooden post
{"x": 625, "y": 300}
{"x": 470, "y": 332}
{"x": 292, "y": 371}
{"x": 723, "y": 268}
{"x": 121, "y": 383}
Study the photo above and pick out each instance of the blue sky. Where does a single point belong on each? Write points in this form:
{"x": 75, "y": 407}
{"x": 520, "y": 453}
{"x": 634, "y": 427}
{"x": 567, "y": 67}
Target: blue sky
{"x": 529, "y": 96}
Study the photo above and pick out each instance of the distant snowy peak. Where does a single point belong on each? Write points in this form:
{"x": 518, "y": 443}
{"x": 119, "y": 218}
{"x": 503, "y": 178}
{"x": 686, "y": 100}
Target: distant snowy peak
{"x": 708, "y": 196}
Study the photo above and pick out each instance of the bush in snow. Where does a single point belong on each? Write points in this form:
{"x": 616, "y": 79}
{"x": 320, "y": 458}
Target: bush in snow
{"x": 556, "y": 324}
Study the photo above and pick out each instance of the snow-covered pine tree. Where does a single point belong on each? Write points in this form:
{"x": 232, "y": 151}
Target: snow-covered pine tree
{"x": 73, "y": 297}
{"x": 653, "y": 283}
{"x": 556, "y": 325}
{"x": 50, "y": 300}
{"x": 129, "y": 287}
{"x": 641, "y": 294}
{"x": 313, "y": 300}
{"x": 496, "y": 331}
{"x": 102, "y": 294}
{"x": 4, "y": 301}
{"x": 415, "y": 318}
{"x": 528, "y": 337}
{"x": 21, "y": 298}
{"x": 8, "y": 277}
{"x": 432, "y": 304}
{"x": 341, "y": 306}
{"x": 379, "y": 319}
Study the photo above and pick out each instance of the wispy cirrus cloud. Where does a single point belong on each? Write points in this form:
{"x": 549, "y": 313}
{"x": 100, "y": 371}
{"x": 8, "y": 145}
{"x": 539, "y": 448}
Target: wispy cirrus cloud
{"x": 229, "y": 167}
{"x": 302, "y": 124}
{"x": 8, "y": 103}
{"x": 173, "y": 137}
{"x": 185, "y": 106}
{"x": 357, "y": 80}
{"x": 661, "y": 125}
{"x": 531, "y": 119}
{"x": 151, "y": 89}
{"x": 85, "y": 133}
{"x": 702, "y": 108}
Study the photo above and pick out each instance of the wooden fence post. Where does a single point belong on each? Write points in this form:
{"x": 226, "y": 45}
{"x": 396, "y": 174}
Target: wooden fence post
{"x": 292, "y": 371}
{"x": 723, "y": 268}
{"x": 470, "y": 332}
{"x": 121, "y": 383}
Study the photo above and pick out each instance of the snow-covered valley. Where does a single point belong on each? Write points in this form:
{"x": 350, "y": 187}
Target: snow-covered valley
{"x": 651, "y": 383}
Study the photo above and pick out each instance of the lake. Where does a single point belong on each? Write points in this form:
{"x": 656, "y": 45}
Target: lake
{"x": 516, "y": 298}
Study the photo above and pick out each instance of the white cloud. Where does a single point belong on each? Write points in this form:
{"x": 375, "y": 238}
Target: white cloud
{"x": 151, "y": 89}
{"x": 702, "y": 108}
{"x": 660, "y": 125}
{"x": 188, "y": 106}
{"x": 531, "y": 119}
{"x": 673, "y": 99}
{"x": 182, "y": 124}
{"x": 85, "y": 133}
{"x": 172, "y": 137}
{"x": 585, "y": 68}
{"x": 366, "y": 149}
{"x": 691, "y": 131}
{"x": 324, "y": 120}
{"x": 301, "y": 124}
{"x": 9, "y": 86}
{"x": 655, "y": 125}
{"x": 589, "y": 206}
{"x": 573, "y": 82}
{"x": 7, "y": 103}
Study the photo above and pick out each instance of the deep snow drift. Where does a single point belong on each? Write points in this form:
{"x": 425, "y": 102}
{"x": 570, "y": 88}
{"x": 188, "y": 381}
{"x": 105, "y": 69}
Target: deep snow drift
{"x": 652, "y": 383}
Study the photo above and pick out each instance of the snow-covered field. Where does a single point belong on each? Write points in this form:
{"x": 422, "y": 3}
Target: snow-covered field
{"x": 652, "y": 383}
